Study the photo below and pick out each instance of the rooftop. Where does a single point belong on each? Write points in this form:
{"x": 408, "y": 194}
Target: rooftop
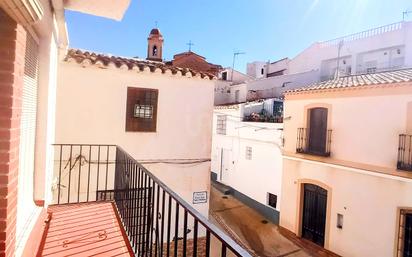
{"x": 361, "y": 80}
{"x": 87, "y": 58}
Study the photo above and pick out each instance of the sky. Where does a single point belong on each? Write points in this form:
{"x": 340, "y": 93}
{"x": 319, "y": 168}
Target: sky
{"x": 265, "y": 30}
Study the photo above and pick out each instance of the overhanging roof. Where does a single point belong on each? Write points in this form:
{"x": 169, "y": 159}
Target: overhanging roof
{"x": 361, "y": 80}
{"x": 113, "y": 9}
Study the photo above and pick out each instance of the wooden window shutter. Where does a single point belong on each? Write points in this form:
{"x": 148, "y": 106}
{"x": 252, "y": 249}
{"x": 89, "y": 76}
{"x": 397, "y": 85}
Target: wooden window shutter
{"x": 146, "y": 99}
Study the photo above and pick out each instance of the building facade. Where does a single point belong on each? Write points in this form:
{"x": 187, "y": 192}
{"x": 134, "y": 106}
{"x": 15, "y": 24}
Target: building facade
{"x": 345, "y": 182}
{"x": 160, "y": 114}
{"x": 247, "y": 155}
{"x": 384, "y": 48}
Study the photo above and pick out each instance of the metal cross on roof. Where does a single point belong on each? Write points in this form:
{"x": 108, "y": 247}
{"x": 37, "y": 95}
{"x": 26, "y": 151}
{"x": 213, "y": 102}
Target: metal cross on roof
{"x": 190, "y": 44}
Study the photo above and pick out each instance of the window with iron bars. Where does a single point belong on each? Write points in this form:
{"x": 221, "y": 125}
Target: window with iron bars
{"x": 141, "y": 109}
{"x": 248, "y": 153}
{"x": 221, "y": 124}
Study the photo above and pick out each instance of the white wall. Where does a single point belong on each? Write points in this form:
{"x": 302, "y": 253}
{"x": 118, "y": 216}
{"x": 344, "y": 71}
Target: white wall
{"x": 260, "y": 175}
{"x": 225, "y": 92}
{"x": 311, "y": 58}
{"x": 38, "y": 184}
{"x": 237, "y": 78}
{"x": 365, "y": 127}
{"x": 369, "y": 205}
{"x": 254, "y": 69}
{"x": 279, "y": 65}
{"x": 91, "y": 108}
{"x": 275, "y": 86}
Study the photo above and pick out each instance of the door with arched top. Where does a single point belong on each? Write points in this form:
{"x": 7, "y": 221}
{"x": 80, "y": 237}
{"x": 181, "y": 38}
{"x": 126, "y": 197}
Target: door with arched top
{"x": 314, "y": 213}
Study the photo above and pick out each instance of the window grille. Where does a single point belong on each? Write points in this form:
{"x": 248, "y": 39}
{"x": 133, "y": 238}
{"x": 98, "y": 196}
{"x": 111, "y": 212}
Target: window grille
{"x": 248, "y": 153}
{"x": 141, "y": 111}
{"x": 221, "y": 124}
{"x": 272, "y": 200}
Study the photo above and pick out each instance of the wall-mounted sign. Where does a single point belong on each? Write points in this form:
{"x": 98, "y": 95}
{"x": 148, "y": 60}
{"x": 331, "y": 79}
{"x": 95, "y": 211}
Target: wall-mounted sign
{"x": 200, "y": 197}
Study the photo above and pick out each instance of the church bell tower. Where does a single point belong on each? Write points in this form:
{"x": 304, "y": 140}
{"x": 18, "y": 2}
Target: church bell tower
{"x": 155, "y": 45}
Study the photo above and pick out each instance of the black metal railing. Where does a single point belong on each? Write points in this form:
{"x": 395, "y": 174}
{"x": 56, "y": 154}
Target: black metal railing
{"x": 83, "y": 173}
{"x": 315, "y": 145}
{"x": 157, "y": 221}
{"x": 405, "y": 152}
{"x": 254, "y": 117}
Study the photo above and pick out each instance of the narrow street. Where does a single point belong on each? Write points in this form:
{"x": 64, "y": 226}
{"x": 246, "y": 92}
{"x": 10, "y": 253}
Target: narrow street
{"x": 252, "y": 231}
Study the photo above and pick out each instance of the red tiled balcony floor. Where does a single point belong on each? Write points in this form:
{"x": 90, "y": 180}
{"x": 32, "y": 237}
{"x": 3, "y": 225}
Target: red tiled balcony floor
{"x": 86, "y": 229}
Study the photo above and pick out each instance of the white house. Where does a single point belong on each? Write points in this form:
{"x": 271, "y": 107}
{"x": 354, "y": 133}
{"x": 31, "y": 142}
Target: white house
{"x": 384, "y": 48}
{"x": 97, "y": 99}
{"x": 246, "y": 153}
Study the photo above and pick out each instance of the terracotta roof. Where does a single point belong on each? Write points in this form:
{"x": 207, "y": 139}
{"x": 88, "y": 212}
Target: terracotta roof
{"x": 86, "y": 58}
{"x": 194, "y": 61}
{"x": 234, "y": 106}
{"x": 180, "y": 55}
{"x": 361, "y": 80}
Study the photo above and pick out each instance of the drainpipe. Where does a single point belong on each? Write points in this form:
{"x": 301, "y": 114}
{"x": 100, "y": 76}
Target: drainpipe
{"x": 63, "y": 38}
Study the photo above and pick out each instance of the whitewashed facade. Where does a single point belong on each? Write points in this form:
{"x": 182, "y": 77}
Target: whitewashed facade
{"x": 362, "y": 172}
{"x": 183, "y": 121}
{"x": 243, "y": 150}
{"x": 384, "y": 48}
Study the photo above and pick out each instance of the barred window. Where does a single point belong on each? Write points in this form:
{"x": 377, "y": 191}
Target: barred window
{"x": 221, "y": 124}
{"x": 272, "y": 200}
{"x": 405, "y": 234}
{"x": 141, "y": 109}
{"x": 248, "y": 153}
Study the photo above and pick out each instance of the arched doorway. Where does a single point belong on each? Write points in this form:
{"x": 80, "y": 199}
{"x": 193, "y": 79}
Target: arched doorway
{"x": 314, "y": 213}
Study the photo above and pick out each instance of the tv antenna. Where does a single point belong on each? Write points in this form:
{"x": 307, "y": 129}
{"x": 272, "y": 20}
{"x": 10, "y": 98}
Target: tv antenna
{"x": 340, "y": 45}
{"x": 235, "y": 54}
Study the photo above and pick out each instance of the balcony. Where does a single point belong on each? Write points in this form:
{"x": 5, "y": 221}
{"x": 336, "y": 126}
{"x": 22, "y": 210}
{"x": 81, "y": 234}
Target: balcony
{"x": 405, "y": 152}
{"x": 256, "y": 117}
{"x": 153, "y": 219}
{"x": 396, "y": 64}
{"x": 314, "y": 142}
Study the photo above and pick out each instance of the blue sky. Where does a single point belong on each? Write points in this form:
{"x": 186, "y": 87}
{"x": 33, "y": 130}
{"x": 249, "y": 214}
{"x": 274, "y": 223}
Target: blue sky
{"x": 264, "y": 29}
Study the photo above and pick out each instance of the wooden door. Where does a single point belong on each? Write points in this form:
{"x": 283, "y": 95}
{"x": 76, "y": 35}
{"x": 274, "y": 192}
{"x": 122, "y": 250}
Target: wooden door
{"x": 318, "y": 122}
{"x": 314, "y": 213}
{"x": 407, "y": 241}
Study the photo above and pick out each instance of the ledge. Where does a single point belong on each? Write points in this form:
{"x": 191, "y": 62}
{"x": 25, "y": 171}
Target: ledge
{"x": 353, "y": 165}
